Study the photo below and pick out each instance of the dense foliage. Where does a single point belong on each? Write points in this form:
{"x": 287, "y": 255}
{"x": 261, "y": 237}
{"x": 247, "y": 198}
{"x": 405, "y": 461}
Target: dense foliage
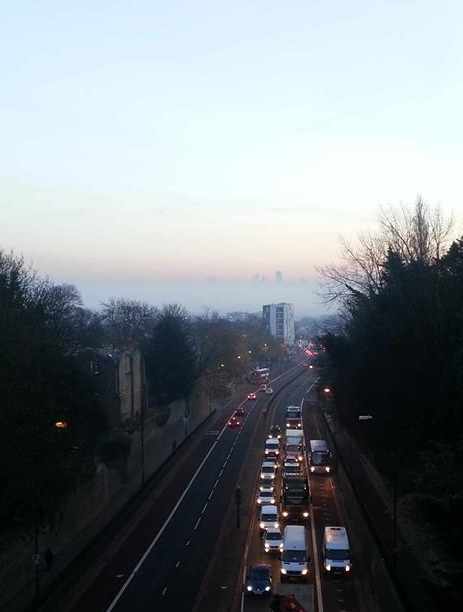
{"x": 399, "y": 357}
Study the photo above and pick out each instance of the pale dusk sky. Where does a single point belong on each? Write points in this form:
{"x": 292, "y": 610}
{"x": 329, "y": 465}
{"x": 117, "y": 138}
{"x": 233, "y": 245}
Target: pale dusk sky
{"x": 171, "y": 151}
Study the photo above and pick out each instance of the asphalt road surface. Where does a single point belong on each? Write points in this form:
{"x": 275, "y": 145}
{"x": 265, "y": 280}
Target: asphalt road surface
{"x": 162, "y": 564}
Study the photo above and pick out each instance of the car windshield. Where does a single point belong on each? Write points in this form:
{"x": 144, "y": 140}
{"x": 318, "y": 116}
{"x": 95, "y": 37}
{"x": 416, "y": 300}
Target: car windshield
{"x": 294, "y": 555}
{"x": 273, "y": 536}
{"x": 269, "y": 517}
{"x": 257, "y": 573}
{"x": 319, "y": 458}
{"x": 338, "y": 555}
{"x": 268, "y": 470}
{"x": 266, "y": 494}
{"x": 272, "y": 446}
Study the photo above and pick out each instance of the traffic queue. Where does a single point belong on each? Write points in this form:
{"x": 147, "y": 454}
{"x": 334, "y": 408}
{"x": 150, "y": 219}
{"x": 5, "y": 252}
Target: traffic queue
{"x": 284, "y": 507}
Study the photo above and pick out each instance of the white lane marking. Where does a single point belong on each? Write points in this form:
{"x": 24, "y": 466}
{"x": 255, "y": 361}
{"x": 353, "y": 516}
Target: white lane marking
{"x": 197, "y": 524}
{"x": 177, "y": 564}
{"x": 175, "y": 508}
{"x": 164, "y": 591}
{"x": 221, "y": 472}
{"x": 210, "y": 494}
{"x": 215, "y": 484}
{"x": 224, "y": 464}
{"x": 204, "y": 508}
{"x": 166, "y": 522}
{"x": 318, "y": 584}
{"x": 188, "y": 542}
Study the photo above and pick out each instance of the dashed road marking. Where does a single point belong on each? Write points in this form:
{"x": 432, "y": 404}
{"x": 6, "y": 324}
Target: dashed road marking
{"x": 204, "y": 508}
{"x": 197, "y": 524}
{"x": 164, "y": 591}
{"x": 188, "y": 542}
{"x": 177, "y": 564}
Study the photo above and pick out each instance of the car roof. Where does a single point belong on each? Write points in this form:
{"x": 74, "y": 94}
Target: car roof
{"x": 270, "y": 509}
{"x": 336, "y": 537}
{"x": 269, "y": 463}
{"x": 260, "y": 568}
{"x": 272, "y": 441}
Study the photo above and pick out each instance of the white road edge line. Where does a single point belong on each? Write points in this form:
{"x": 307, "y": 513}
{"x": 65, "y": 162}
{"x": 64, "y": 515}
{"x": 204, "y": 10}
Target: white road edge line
{"x": 166, "y": 523}
{"x": 175, "y": 508}
{"x": 316, "y": 566}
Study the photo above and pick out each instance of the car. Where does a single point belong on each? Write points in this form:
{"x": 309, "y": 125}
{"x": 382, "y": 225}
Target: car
{"x": 234, "y": 422}
{"x": 252, "y": 396}
{"x": 275, "y": 432}
{"x": 273, "y": 540}
{"x": 265, "y": 497}
{"x": 268, "y": 390}
{"x": 267, "y": 485}
{"x": 240, "y": 412}
{"x": 272, "y": 448}
{"x": 269, "y": 517}
{"x": 268, "y": 469}
{"x": 259, "y": 579}
{"x": 263, "y": 387}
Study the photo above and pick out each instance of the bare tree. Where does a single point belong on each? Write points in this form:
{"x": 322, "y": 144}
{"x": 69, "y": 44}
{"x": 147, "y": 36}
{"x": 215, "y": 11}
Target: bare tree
{"x": 416, "y": 234}
{"x": 128, "y": 321}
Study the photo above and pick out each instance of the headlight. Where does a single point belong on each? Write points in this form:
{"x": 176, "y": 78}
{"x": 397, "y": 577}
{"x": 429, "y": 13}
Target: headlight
{"x": 312, "y": 469}
{"x": 304, "y": 571}
{"x": 328, "y": 567}
{"x": 305, "y": 514}
{"x": 249, "y": 588}
{"x": 259, "y": 501}
{"x": 266, "y": 451}
{"x": 284, "y": 571}
{"x": 285, "y": 514}
{"x": 273, "y": 476}
{"x": 267, "y": 588}
{"x": 267, "y": 547}
{"x": 281, "y": 547}
{"x": 300, "y": 457}
{"x": 327, "y": 469}
{"x": 272, "y": 501}
{"x": 347, "y": 568}
{"x": 276, "y": 525}
{"x": 262, "y": 525}
{"x": 287, "y": 425}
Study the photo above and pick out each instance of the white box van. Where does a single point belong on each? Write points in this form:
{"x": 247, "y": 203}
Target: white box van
{"x": 269, "y": 517}
{"x": 336, "y": 550}
{"x": 294, "y": 558}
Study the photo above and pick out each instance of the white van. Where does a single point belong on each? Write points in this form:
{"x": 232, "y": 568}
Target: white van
{"x": 336, "y": 550}
{"x": 269, "y": 517}
{"x": 294, "y": 558}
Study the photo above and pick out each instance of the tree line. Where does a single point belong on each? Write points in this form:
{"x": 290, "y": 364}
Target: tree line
{"x": 52, "y": 415}
{"x": 398, "y": 356}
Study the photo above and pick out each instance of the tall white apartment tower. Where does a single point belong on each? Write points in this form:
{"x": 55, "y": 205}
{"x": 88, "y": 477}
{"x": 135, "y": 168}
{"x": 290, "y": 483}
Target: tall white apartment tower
{"x": 279, "y": 321}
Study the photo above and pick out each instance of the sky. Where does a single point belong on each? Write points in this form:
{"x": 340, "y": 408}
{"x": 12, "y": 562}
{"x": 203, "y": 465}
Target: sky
{"x": 172, "y": 151}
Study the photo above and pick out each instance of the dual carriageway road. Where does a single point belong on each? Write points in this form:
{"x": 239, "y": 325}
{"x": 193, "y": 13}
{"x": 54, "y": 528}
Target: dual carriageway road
{"x": 171, "y": 554}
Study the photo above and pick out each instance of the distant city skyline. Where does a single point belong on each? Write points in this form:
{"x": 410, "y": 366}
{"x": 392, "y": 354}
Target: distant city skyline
{"x": 210, "y": 147}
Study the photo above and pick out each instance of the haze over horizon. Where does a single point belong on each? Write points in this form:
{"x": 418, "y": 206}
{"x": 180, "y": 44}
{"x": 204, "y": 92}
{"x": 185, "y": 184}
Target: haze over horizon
{"x": 149, "y": 150}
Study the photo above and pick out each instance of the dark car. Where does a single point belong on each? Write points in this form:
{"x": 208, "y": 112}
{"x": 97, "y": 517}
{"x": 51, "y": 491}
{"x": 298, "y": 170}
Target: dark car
{"x": 234, "y": 422}
{"x": 259, "y": 580}
{"x": 275, "y": 432}
{"x": 252, "y": 396}
{"x": 240, "y": 412}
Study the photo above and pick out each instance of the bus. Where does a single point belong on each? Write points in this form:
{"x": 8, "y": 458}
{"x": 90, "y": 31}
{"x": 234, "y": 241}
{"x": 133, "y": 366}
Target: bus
{"x": 319, "y": 457}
